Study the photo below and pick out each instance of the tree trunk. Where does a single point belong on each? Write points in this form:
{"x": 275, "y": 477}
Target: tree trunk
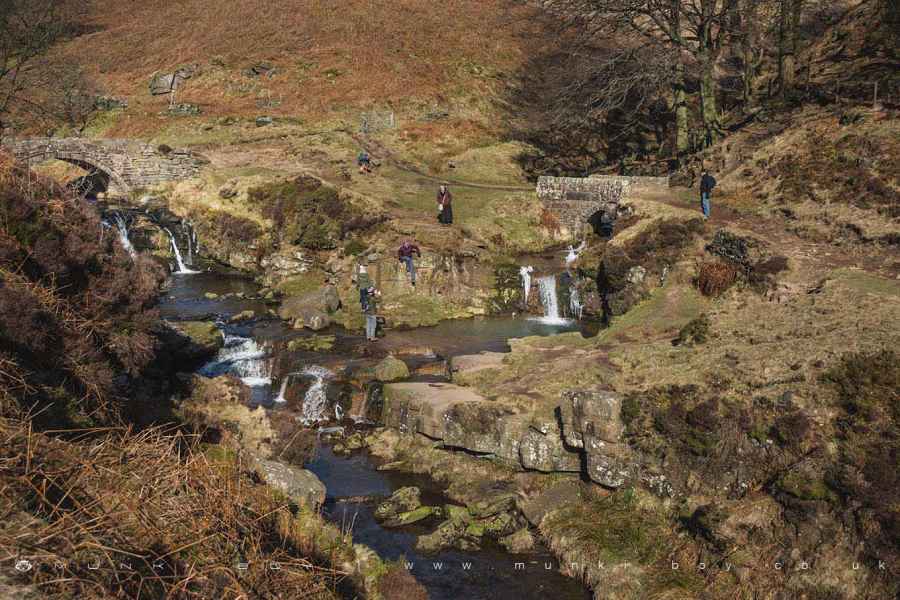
{"x": 682, "y": 129}
{"x": 708, "y": 109}
{"x": 788, "y": 43}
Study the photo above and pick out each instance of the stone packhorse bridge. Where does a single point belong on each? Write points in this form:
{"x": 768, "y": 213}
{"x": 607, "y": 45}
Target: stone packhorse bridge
{"x": 121, "y": 165}
{"x": 574, "y": 200}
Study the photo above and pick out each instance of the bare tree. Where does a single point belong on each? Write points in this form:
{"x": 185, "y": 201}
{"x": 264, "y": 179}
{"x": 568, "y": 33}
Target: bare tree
{"x": 28, "y": 28}
{"x": 697, "y": 28}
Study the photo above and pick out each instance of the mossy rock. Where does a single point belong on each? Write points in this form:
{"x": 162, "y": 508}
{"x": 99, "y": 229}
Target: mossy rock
{"x": 410, "y": 517}
{"x": 391, "y": 369}
{"x": 316, "y": 343}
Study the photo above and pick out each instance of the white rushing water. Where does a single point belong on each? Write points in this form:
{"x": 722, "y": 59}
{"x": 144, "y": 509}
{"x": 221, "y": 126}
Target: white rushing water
{"x": 576, "y": 308}
{"x": 550, "y": 301}
{"x": 525, "y": 274}
{"x": 243, "y": 358}
{"x": 182, "y": 268}
{"x": 572, "y": 256}
{"x": 122, "y": 227}
{"x": 315, "y": 400}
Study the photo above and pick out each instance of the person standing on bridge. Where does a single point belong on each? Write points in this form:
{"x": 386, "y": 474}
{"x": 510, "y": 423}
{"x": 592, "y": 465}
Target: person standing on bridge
{"x": 707, "y": 183}
{"x": 445, "y": 205}
{"x": 405, "y": 255}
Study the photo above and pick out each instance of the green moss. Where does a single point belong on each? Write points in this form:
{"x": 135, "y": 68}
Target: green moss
{"x": 299, "y": 285}
{"x": 804, "y": 487}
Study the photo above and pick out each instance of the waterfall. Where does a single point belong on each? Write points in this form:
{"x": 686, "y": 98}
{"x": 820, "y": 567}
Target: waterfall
{"x": 576, "y": 308}
{"x": 525, "y": 274}
{"x": 280, "y": 399}
{"x": 241, "y": 357}
{"x": 182, "y": 269}
{"x": 550, "y": 300}
{"x": 572, "y": 256}
{"x": 314, "y": 401}
{"x": 122, "y": 226}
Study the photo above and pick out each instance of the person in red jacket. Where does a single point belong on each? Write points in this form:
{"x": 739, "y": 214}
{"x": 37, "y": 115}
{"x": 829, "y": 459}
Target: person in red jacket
{"x": 445, "y": 205}
{"x": 405, "y": 255}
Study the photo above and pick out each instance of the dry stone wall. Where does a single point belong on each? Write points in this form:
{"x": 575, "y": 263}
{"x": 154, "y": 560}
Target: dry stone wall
{"x": 125, "y": 164}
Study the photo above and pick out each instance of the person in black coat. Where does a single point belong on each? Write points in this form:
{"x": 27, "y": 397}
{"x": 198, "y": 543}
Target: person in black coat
{"x": 445, "y": 205}
{"x": 707, "y": 183}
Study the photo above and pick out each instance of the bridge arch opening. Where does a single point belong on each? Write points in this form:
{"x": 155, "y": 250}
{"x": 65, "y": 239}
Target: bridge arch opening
{"x": 602, "y": 221}
{"x": 85, "y": 177}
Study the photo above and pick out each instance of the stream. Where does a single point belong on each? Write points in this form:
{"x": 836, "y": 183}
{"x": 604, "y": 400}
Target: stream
{"x": 257, "y": 352}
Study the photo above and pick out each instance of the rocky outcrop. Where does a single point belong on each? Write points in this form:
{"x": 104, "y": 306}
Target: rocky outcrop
{"x": 542, "y": 449}
{"x": 299, "y": 485}
{"x": 462, "y": 418}
{"x": 592, "y": 421}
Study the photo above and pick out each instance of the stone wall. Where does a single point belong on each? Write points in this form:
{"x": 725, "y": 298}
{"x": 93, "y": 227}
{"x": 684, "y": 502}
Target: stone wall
{"x": 126, "y": 164}
{"x": 574, "y": 199}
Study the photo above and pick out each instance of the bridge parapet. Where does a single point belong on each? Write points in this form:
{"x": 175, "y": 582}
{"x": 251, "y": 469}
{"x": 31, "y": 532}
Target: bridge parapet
{"x": 574, "y": 199}
{"x": 125, "y": 164}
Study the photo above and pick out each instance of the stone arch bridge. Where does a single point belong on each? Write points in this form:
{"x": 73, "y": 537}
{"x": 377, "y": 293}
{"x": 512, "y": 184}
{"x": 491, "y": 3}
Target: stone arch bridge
{"x": 574, "y": 200}
{"x": 121, "y": 165}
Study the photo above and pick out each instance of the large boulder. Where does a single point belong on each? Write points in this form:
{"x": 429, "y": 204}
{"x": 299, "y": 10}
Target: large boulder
{"x": 535, "y": 508}
{"x": 391, "y": 369}
{"x": 323, "y": 300}
{"x": 298, "y": 484}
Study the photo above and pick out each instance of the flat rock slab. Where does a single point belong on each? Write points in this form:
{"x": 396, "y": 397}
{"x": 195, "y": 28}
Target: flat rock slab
{"x": 467, "y": 364}
{"x": 423, "y": 407}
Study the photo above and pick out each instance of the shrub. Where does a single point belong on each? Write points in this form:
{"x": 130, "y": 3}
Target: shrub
{"x": 75, "y": 310}
{"x": 399, "y": 584}
{"x": 354, "y": 248}
{"x": 695, "y": 331}
{"x": 716, "y": 277}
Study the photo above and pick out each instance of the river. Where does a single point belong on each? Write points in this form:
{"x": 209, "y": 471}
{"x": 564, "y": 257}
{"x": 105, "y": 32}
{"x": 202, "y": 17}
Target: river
{"x": 257, "y": 352}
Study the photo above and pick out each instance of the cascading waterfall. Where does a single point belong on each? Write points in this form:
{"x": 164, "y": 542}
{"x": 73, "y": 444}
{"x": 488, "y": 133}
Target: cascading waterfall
{"x": 182, "y": 269}
{"x": 550, "y": 301}
{"x": 315, "y": 400}
{"x": 241, "y": 357}
{"x": 572, "y": 256}
{"x": 525, "y": 274}
{"x": 576, "y": 308}
{"x": 122, "y": 227}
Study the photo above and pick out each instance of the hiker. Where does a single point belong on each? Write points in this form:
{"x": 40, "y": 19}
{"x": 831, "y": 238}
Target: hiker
{"x": 371, "y": 310}
{"x": 363, "y": 283}
{"x": 445, "y": 205}
{"x": 364, "y": 162}
{"x": 707, "y": 183}
{"x": 405, "y": 255}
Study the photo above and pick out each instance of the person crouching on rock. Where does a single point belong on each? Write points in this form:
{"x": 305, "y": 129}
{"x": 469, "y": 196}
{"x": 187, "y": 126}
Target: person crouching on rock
{"x": 445, "y": 205}
{"x": 364, "y": 162}
{"x": 371, "y": 311}
{"x": 405, "y": 255}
